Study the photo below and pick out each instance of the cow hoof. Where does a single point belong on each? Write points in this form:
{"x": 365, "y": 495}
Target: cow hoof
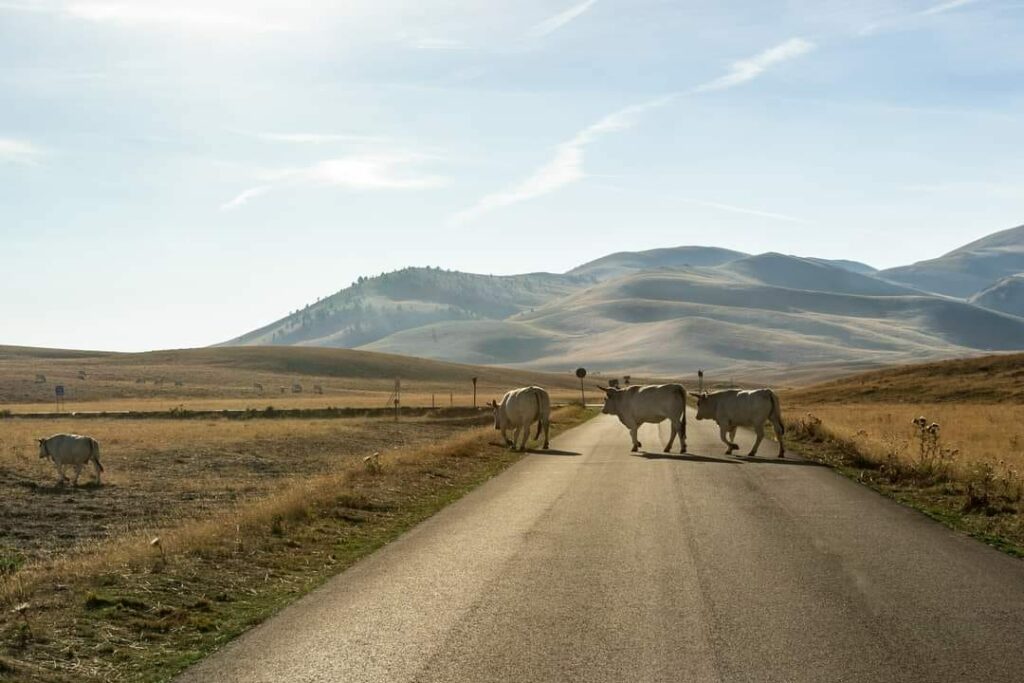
{"x": 682, "y": 449}
{"x": 782, "y": 455}
{"x": 634, "y": 450}
{"x": 667, "y": 450}
{"x": 752, "y": 454}
{"x": 546, "y": 447}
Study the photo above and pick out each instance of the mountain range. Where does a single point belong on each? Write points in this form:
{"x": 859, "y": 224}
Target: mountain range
{"x": 671, "y": 311}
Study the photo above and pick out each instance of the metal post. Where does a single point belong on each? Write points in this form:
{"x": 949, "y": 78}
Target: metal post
{"x": 474, "y": 392}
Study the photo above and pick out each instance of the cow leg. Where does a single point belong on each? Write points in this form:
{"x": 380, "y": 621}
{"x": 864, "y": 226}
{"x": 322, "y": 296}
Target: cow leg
{"x": 780, "y": 430}
{"x": 682, "y": 433}
{"x": 60, "y": 474}
{"x": 526, "y": 436}
{"x": 636, "y": 442}
{"x": 723, "y": 432}
{"x": 547, "y": 434}
{"x": 78, "y": 473}
{"x": 504, "y": 438}
{"x": 671, "y": 439}
{"x": 759, "y": 430}
{"x": 96, "y": 466}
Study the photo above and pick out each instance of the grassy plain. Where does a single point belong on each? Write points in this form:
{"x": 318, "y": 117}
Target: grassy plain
{"x": 227, "y": 378}
{"x": 967, "y": 472}
{"x": 250, "y": 514}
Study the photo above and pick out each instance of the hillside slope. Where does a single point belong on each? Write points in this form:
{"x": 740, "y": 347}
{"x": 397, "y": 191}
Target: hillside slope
{"x": 376, "y": 307}
{"x": 993, "y": 379}
{"x": 969, "y": 269}
{"x": 1006, "y": 296}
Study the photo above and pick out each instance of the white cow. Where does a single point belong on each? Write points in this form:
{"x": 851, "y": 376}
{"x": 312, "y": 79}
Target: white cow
{"x": 518, "y": 410}
{"x": 71, "y": 449}
{"x": 650, "y": 403}
{"x": 734, "y": 408}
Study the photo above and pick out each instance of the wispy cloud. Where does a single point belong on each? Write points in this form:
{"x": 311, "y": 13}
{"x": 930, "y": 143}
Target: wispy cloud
{"x": 946, "y": 7}
{"x": 177, "y": 15}
{"x": 365, "y": 172}
{"x": 748, "y": 69}
{"x": 743, "y": 210}
{"x": 566, "y": 166}
{"x": 557, "y": 21}
{"x": 19, "y": 152}
{"x": 903, "y": 21}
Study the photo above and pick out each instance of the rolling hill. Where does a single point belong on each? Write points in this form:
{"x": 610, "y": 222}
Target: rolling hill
{"x": 969, "y": 269}
{"x": 1006, "y": 296}
{"x": 670, "y": 311}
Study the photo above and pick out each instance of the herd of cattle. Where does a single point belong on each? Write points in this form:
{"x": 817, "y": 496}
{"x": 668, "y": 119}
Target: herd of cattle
{"x": 520, "y": 409}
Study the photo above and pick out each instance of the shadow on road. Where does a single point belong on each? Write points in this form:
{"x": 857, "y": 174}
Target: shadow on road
{"x": 728, "y": 459}
{"x": 685, "y": 457}
{"x": 550, "y": 451}
{"x": 763, "y": 460}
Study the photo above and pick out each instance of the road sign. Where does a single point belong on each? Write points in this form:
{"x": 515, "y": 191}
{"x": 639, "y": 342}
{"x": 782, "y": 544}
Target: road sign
{"x": 59, "y": 390}
{"x": 581, "y": 373}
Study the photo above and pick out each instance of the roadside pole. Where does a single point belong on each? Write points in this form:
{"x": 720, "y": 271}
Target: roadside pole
{"x": 582, "y": 373}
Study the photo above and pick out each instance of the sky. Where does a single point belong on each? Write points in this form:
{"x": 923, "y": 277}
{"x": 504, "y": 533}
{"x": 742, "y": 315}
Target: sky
{"x": 177, "y": 174}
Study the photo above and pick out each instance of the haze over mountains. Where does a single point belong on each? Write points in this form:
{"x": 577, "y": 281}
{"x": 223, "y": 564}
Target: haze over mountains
{"x": 670, "y": 311}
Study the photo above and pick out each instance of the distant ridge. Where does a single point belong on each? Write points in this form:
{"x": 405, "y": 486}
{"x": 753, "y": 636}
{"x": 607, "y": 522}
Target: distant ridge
{"x": 969, "y": 269}
{"x": 668, "y": 311}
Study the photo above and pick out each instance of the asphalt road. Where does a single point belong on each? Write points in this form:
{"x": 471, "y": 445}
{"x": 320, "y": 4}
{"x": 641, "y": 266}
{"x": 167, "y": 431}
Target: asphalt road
{"x": 592, "y": 564}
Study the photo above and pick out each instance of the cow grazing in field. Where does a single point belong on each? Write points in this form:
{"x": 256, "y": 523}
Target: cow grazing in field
{"x": 518, "y": 410}
{"x": 71, "y": 449}
{"x": 650, "y": 403}
{"x": 734, "y": 408}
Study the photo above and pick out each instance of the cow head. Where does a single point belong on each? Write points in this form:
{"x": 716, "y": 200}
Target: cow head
{"x": 43, "y": 452}
{"x": 705, "y": 409}
{"x": 612, "y": 397}
{"x": 496, "y": 409}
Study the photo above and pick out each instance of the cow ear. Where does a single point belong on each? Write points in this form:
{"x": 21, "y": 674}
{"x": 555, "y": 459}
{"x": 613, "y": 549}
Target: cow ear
{"x": 41, "y": 441}
{"x": 604, "y": 389}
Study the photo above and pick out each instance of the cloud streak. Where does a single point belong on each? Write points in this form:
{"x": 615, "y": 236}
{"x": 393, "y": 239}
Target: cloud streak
{"x": 946, "y": 7}
{"x": 19, "y": 152}
{"x": 746, "y": 70}
{"x": 357, "y": 173}
{"x": 566, "y": 166}
{"x": 557, "y": 21}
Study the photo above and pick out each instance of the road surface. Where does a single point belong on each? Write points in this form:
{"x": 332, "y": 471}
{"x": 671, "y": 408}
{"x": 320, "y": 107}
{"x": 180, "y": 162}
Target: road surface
{"x": 592, "y": 564}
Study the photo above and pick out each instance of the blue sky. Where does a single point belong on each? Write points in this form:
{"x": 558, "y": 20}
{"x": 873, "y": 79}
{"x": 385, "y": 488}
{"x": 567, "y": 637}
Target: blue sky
{"x": 174, "y": 174}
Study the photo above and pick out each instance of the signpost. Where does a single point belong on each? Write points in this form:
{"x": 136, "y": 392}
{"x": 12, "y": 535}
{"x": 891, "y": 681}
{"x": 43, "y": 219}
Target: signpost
{"x": 700, "y": 381}
{"x": 59, "y": 395}
{"x": 474, "y": 391}
{"x": 581, "y": 373}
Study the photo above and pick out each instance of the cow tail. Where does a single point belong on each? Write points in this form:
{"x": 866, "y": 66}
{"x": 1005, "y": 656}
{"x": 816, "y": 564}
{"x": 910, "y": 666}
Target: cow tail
{"x": 777, "y": 413}
{"x": 94, "y": 448}
{"x": 540, "y": 414}
{"x": 682, "y": 422}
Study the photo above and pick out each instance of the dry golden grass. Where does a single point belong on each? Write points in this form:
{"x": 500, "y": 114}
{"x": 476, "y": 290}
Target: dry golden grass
{"x": 992, "y": 433}
{"x": 162, "y": 472}
{"x": 130, "y": 608}
{"x": 224, "y": 378}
